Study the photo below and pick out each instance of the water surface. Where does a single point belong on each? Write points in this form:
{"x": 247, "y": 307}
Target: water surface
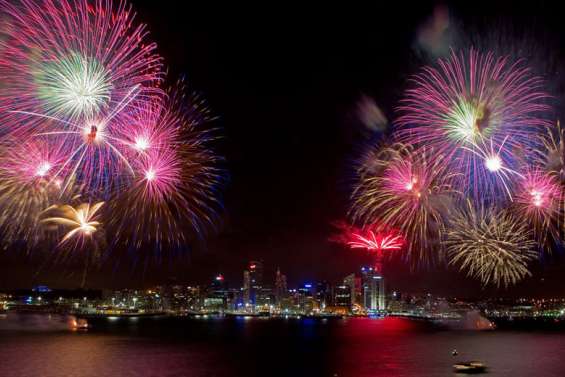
{"x": 355, "y": 347}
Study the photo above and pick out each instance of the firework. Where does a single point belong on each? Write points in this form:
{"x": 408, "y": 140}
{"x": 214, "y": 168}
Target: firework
{"x": 27, "y": 188}
{"x": 71, "y": 70}
{"x": 378, "y": 240}
{"x": 82, "y": 220}
{"x": 539, "y": 199}
{"x": 374, "y": 241}
{"x": 490, "y": 245}
{"x": 407, "y": 190}
{"x": 83, "y": 116}
{"x": 551, "y": 156}
{"x": 174, "y": 197}
{"x": 370, "y": 237}
{"x": 470, "y": 101}
{"x": 496, "y": 163}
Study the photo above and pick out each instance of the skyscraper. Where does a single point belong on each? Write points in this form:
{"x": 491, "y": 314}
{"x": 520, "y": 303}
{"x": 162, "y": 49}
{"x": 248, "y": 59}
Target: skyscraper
{"x": 280, "y": 287}
{"x": 246, "y": 288}
{"x": 373, "y": 289}
{"x": 342, "y": 296}
{"x": 255, "y": 269}
{"x": 324, "y": 294}
{"x": 256, "y": 273}
{"x": 354, "y": 284}
{"x": 217, "y": 296}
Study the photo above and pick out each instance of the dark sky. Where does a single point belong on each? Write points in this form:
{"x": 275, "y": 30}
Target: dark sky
{"x": 284, "y": 81}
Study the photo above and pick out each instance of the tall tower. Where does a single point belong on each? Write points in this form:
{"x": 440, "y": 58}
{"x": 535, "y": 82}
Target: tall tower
{"x": 354, "y": 284}
{"x": 376, "y": 241}
{"x": 255, "y": 269}
{"x": 246, "y": 287}
{"x": 280, "y": 286}
{"x": 373, "y": 289}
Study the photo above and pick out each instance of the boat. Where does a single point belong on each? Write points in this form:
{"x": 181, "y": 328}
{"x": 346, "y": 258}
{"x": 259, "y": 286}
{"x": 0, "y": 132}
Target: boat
{"x": 79, "y": 324}
{"x": 470, "y": 367}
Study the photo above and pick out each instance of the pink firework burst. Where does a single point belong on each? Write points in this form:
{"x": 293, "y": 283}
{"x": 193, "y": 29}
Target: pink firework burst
{"x": 174, "y": 193}
{"x": 407, "y": 190}
{"x": 471, "y": 100}
{"x": 149, "y": 128}
{"x": 377, "y": 239}
{"x": 159, "y": 174}
{"x": 371, "y": 239}
{"x": 539, "y": 199}
{"x": 71, "y": 69}
{"x": 27, "y": 187}
{"x": 32, "y": 161}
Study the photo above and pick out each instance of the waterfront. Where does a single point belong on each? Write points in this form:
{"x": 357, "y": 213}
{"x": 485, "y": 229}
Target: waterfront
{"x": 359, "y": 347}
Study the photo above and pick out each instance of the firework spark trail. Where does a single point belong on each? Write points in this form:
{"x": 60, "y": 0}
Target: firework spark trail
{"x": 551, "y": 156}
{"x": 406, "y": 190}
{"x": 490, "y": 245}
{"x": 495, "y": 162}
{"x": 473, "y": 99}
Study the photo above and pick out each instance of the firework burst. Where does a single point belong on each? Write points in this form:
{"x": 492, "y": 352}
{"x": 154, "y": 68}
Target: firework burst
{"x": 71, "y": 69}
{"x": 405, "y": 190}
{"x": 378, "y": 240}
{"x": 372, "y": 240}
{"x": 81, "y": 221}
{"x": 469, "y": 101}
{"x": 27, "y": 187}
{"x": 83, "y": 116}
{"x": 539, "y": 198}
{"x": 490, "y": 245}
{"x": 82, "y": 225}
{"x": 175, "y": 193}
{"x": 551, "y": 156}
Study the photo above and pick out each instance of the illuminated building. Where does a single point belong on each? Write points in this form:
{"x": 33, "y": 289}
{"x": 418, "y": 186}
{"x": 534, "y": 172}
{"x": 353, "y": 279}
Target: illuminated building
{"x": 281, "y": 290}
{"x": 324, "y": 294}
{"x": 354, "y": 284}
{"x": 342, "y": 296}
{"x": 246, "y": 288}
{"x": 218, "y": 296}
{"x": 255, "y": 269}
{"x": 265, "y": 299}
{"x": 219, "y": 283}
{"x": 373, "y": 289}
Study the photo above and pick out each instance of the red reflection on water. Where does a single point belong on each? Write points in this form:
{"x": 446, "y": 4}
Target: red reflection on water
{"x": 374, "y": 347}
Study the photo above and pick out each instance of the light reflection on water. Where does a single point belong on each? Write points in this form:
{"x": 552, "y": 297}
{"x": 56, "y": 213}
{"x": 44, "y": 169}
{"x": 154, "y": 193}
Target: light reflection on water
{"x": 258, "y": 347}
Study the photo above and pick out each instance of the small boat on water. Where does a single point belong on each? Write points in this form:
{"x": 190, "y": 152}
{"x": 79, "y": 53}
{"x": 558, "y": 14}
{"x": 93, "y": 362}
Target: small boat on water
{"x": 79, "y": 324}
{"x": 470, "y": 367}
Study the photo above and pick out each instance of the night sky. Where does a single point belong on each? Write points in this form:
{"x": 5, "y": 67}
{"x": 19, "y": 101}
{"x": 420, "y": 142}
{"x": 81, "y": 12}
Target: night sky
{"x": 285, "y": 83}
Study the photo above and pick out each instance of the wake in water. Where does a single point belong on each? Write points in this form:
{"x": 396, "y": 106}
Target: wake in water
{"x": 36, "y": 322}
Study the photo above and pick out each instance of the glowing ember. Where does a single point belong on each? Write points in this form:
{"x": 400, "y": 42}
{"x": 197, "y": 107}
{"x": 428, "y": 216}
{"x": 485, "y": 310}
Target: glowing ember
{"x": 493, "y": 163}
{"x": 141, "y": 143}
{"x": 42, "y": 169}
{"x": 150, "y": 175}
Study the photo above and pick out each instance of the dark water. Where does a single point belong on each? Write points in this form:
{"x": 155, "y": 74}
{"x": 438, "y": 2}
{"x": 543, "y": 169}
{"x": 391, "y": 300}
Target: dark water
{"x": 37, "y": 346}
